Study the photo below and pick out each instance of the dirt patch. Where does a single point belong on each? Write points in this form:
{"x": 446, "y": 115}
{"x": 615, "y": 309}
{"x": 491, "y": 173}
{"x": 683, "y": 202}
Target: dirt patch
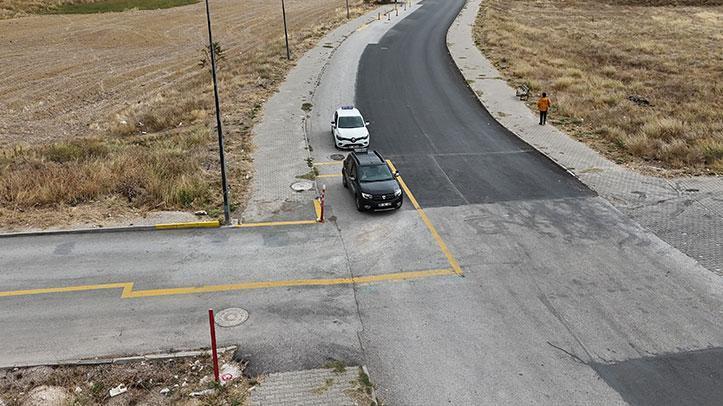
{"x": 176, "y": 381}
{"x": 117, "y": 106}
{"x": 639, "y": 82}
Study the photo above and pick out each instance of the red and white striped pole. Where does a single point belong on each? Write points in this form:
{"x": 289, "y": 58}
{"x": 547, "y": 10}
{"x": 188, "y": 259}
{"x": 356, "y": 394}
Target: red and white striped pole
{"x": 212, "y": 324}
{"x": 321, "y": 202}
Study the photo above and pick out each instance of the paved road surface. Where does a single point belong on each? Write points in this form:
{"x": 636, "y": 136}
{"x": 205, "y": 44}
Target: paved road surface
{"x": 561, "y": 290}
{"x": 423, "y": 116}
{"x": 564, "y": 300}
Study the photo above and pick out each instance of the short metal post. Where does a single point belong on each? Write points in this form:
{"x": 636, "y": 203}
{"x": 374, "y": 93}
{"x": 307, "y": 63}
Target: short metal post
{"x": 322, "y": 201}
{"x": 212, "y": 325}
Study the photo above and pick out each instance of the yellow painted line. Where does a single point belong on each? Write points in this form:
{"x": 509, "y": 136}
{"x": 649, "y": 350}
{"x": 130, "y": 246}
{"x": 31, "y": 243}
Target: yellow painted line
{"x": 328, "y": 163}
{"x": 193, "y": 224}
{"x": 400, "y": 276}
{"x": 126, "y": 286}
{"x": 329, "y": 175}
{"x": 275, "y": 223}
{"x": 129, "y": 293}
{"x": 317, "y": 209}
{"x": 450, "y": 258}
{"x": 363, "y": 27}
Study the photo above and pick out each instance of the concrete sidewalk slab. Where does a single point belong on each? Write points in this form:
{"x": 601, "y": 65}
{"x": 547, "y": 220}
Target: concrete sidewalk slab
{"x": 315, "y": 387}
{"x": 685, "y": 212}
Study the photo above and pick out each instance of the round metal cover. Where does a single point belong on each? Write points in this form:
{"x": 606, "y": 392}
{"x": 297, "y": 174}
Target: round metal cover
{"x": 231, "y": 317}
{"x": 302, "y": 186}
{"x": 337, "y": 157}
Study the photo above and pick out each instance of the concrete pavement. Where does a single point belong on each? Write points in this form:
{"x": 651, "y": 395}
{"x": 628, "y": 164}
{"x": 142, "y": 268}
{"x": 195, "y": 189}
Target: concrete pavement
{"x": 564, "y": 299}
{"x": 560, "y": 288}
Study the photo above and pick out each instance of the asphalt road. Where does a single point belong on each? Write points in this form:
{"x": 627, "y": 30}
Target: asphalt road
{"x": 425, "y": 118}
{"x": 564, "y": 299}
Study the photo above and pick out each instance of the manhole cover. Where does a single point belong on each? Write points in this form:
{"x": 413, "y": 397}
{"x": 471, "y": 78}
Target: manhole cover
{"x": 302, "y": 186}
{"x": 231, "y": 317}
{"x": 337, "y": 157}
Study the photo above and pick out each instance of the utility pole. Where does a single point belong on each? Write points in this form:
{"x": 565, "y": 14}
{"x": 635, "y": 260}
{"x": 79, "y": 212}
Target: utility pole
{"x": 286, "y": 33}
{"x": 347, "y": 9}
{"x": 219, "y": 129}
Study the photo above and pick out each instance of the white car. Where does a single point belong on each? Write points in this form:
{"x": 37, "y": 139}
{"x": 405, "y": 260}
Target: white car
{"x": 349, "y": 129}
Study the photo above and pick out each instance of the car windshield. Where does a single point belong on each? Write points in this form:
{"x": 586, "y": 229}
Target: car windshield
{"x": 351, "y": 122}
{"x": 374, "y": 173}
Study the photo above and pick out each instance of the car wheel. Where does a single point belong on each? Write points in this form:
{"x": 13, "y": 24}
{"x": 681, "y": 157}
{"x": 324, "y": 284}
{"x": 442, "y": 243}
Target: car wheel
{"x": 358, "y": 204}
{"x": 343, "y": 181}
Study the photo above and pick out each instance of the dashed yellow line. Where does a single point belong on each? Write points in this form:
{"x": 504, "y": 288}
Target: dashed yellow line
{"x": 440, "y": 242}
{"x": 129, "y": 293}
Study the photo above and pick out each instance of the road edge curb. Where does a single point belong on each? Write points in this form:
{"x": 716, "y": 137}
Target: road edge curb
{"x": 121, "y": 360}
{"x": 101, "y": 230}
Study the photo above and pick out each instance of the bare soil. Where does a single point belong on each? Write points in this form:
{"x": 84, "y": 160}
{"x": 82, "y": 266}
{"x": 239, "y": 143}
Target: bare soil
{"x": 639, "y": 80}
{"x": 144, "y": 380}
{"x": 113, "y": 110}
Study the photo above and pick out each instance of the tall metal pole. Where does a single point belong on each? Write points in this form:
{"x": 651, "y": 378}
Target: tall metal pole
{"x": 219, "y": 128}
{"x": 347, "y": 9}
{"x": 286, "y": 33}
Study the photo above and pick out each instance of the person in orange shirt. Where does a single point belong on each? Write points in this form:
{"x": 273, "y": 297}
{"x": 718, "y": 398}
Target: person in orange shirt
{"x": 543, "y": 105}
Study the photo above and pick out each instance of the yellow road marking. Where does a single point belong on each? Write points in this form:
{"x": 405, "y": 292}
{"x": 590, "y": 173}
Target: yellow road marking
{"x": 193, "y": 224}
{"x": 328, "y": 163}
{"x": 317, "y": 209}
{"x": 275, "y": 223}
{"x": 450, "y": 258}
{"x": 363, "y": 27}
{"x": 127, "y": 287}
{"x": 329, "y": 175}
{"x": 129, "y": 293}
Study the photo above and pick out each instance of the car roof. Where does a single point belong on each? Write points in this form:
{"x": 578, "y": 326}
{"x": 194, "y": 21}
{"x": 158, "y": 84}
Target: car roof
{"x": 346, "y": 111}
{"x": 368, "y": 157}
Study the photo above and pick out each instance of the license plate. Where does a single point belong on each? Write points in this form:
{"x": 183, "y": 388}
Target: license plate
{"x": 387, "y": 204}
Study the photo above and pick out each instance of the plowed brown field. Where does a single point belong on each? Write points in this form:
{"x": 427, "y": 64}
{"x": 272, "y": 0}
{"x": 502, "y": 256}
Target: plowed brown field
{"x": 126, "y": 84}
{"x": 69, "y": 75}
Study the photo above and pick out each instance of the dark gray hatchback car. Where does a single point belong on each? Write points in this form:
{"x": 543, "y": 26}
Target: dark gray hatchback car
{"x": 373, "y": 184}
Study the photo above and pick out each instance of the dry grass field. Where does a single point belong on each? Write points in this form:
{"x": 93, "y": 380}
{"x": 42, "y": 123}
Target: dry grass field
{"x": 110, "y": 113}
{"x": 591, "y": 56}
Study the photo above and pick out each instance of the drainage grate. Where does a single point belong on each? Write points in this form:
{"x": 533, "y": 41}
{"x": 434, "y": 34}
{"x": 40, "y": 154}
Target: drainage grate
{"x": 337, "y": 157}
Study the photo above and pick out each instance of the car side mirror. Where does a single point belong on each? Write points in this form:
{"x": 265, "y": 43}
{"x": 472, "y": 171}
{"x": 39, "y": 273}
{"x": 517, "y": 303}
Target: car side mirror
{"x": 396, "y": 174}
{"x": 333, "y": 123}
{"x": 352, "y": 178}
{"x": 367, "y": 123}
